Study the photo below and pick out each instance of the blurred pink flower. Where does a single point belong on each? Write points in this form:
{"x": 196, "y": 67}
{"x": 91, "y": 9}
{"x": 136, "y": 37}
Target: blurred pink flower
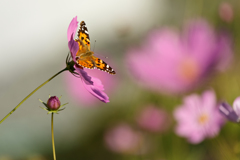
{"x": 226, "y": 12}
{"x": 198, "y": 118}
{"x": 172, "y": 63}
{"x": 92, "y": 84}
{"x": 154, "y": 119}
{"x": 123, "y": 139}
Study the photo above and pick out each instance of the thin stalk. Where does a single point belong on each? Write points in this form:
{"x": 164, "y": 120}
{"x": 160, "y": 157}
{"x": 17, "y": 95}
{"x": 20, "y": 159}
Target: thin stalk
{"x": 201, "y": 11}
{"x": 53, "y": 145}
{"x": 32, "y": 94}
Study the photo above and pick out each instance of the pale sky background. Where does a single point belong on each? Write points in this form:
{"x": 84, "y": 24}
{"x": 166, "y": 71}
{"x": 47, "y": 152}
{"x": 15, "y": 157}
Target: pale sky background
{"x": 33, "y": 47}
{"x": 33, "y": 33}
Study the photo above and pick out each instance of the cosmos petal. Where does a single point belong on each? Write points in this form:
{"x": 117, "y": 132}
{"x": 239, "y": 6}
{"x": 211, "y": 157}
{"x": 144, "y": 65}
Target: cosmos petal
{"x": 72, "y": 44}
{"x": 72, "y": 28}
{"x": 93, "y": 85}
{"x": 228, "y": 112}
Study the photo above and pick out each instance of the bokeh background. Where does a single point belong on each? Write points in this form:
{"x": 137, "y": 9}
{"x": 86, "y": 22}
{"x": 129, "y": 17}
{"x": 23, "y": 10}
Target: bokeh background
{"x": 139, "y": 121}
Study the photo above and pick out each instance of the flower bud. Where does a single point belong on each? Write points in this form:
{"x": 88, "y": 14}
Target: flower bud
{"x": 53, "y": 103}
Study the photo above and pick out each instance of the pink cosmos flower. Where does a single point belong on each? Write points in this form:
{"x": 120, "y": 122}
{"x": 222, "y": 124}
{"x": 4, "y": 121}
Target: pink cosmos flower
{"x": 170, "y": 62}
{"x": 153, "y": 119}
{"x": 92, "y": 84}
{"x": 123, "y": 139}
{"x": 198, "y": 117}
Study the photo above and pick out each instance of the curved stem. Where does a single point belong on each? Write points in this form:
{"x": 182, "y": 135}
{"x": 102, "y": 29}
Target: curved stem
{"x": 32, "y": 94}
{"x": 53, "y": 145}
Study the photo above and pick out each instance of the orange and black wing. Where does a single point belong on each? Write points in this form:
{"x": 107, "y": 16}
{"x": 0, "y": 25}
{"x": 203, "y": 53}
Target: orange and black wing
{"x": 100, "y": 64}
{"x": 82, "y": 48}
{"x": 86, "y": 63}
{"x": 83, "y": 34}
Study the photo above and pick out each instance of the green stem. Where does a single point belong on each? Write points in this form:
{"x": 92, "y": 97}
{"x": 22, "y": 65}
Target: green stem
{"x": 53, "y": 145}
{"x": 32, "y": 94}
{"x": 201, "y": 11}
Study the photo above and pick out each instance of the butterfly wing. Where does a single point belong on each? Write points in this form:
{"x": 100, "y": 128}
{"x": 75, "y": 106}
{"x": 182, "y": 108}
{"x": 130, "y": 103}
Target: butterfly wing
{"x": 100, "y": 64}
{"x": 86, "y": 63}
{"x": 82, "y": 48}
{"x": 84, "y": 56}
{"x": 83, "y": 34}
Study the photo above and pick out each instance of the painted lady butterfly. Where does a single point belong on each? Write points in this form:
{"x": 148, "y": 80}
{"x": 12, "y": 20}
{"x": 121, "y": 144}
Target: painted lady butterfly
{"x": 84, "y": 56}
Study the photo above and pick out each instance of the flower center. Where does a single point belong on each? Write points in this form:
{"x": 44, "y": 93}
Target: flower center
{"x": 189, "y": 70}
{"x": 202, "y": 119}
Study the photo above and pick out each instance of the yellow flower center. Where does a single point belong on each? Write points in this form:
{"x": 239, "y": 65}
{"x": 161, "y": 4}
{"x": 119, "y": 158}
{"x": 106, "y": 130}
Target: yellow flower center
{"x": 188, "y": 70}
{"x": 203, "y": 119}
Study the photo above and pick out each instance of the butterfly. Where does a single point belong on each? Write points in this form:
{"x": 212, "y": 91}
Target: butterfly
{"x": 84, "y": 56}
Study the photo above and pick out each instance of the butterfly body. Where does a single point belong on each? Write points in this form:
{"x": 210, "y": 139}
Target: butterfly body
{"x": 85, "y": 57}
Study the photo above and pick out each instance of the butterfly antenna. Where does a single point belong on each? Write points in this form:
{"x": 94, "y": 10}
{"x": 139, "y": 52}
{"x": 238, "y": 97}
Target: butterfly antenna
{"x": 94, "y": 44}
{"x": 94, "y": 48}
